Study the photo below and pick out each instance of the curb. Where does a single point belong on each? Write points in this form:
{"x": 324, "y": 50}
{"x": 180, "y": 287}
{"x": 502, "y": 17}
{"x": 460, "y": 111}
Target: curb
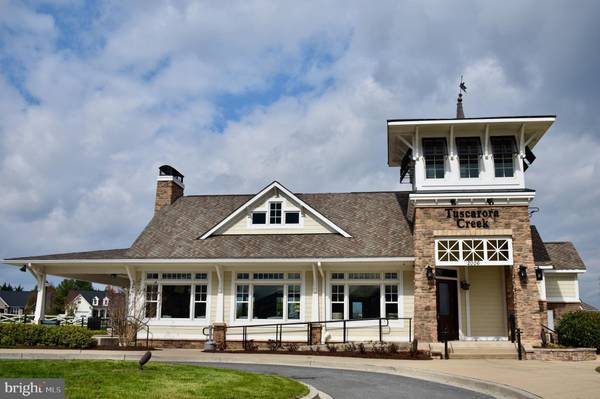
{"x": 314, "y": 393}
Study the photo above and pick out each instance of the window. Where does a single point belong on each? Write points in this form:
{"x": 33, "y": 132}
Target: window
{"x": 243, "y": 276}
{"x": 293, "y": 276}
{"x": 486, "y": 251}
{"x": 337, "y": 276}
{"x": 391, "y": 301}
{"x": 105, "y": 301}
{"x": 95, "y": 301}
{"x": 275, "y": 212}
{"x": 259, "y": 218}
{"x": 151, "y": 300}
{"x": 151, "y": 276}
{"x": 434, "y": 151}
{"x": 201, "y": 276}
{"x": 175, "y": 301}
{"x": 504, "y": 148}
{"x": 364, "y": 276}
{"x": 177, "y": 276}
{"x": 337, "y": 302}
{"x": 241, "y": 299}
{"x": 268, "y": 302}
{"x": 364, "y": 301}
{"x": 391, "y": 276}
{"x": 267, "y": 276}
{"x": 292, "y": 218}
{"x": 469, "y": 151}
{"x": 293, "y": 299}
{"x": 200, "y": 296}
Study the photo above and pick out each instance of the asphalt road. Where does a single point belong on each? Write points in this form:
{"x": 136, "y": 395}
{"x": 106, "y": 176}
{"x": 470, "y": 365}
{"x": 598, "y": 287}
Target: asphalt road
{"x": 349, "y": 384}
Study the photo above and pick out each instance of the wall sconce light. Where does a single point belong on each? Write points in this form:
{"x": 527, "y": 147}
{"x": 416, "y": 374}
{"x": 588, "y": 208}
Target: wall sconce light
{"x": 453, "y": 202}
{"x": 113, "y": 275}
{"x": 490, "y": 201}
{"x": 539, "y": 274}
{"x": 429, "y": 272}
{"x": 464, "y": 285}
{"x": 23, "y": 268}
{"x": 523, "y": 273}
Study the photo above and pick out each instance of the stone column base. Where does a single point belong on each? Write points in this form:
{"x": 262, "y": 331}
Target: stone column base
{"x": 219, "y": 331}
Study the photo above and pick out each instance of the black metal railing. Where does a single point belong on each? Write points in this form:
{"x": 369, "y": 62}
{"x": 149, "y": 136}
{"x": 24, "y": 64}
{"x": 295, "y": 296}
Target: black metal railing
{"x": 519, "y": 346}
{"x": 548, "y": 335}
{"x": 307, "y": 327}
{"x": 512, "y": 327}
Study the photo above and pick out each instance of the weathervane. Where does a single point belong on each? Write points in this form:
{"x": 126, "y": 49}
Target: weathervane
{"x": 462, "y": 87}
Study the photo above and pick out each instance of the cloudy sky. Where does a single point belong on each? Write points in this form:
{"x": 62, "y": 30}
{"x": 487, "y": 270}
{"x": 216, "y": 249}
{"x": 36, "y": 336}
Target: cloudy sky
{"x": 95, "y": 96}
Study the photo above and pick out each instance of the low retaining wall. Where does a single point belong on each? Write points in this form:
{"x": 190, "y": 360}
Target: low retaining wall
{"x": 567, "y": 354}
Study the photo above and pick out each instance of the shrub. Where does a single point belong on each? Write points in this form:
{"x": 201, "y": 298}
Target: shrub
{"x": 273, "y": 345}
{"x": 40, "y": 335}
{"x": 350, "y": 347}
{"x": 250, "y": 346}
{"x": 393, "y": 348}
{"x": 361, "y": 347}
{"x": 580, "y": 329}
{"x": 292, "y": 347}
{"x": 332, "y": 348}
{"x": 378, "y": 347}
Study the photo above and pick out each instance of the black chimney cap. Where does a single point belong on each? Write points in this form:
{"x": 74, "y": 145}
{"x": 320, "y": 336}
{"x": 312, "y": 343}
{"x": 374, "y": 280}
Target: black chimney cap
{"x": 168, "y": 170}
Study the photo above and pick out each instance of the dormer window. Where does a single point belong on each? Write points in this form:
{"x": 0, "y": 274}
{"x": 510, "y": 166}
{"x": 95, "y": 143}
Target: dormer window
{"x": 434, "y": 151}
{"x": 95, "y": 301}
{"x": 504, "y": 149}
{"x": 105, "y": 301}
{"x": 275, "y": 213}
{"x": 469, "y": 152}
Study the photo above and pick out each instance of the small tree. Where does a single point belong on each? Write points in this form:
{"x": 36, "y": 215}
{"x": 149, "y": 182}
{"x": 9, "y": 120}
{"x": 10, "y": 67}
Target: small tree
{"x": 126, "y": 317}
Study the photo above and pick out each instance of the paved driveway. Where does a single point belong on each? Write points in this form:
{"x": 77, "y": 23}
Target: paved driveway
{"x": 348, "y": 384}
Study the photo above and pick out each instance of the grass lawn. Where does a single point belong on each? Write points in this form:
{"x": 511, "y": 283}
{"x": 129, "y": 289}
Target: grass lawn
{"x": 121, "y": 379}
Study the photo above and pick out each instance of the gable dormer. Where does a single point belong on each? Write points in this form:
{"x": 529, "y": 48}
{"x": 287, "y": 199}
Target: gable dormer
{"x": 275, "y": 210}
{"x": 467, "y": 154}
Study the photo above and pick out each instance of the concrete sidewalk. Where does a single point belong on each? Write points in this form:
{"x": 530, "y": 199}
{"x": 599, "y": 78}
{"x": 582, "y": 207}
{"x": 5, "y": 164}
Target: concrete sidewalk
{"x": 545, "y": 379}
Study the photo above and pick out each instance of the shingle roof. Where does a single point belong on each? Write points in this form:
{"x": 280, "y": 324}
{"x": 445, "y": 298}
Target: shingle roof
{"x": 376, "y": 221}
{"x": 587, "y": 306}
{"x": 564, "y": 256}
{"x": 16, "y": 298}
{"x": 100, "y": 254}
{"x": 540, "y": 254}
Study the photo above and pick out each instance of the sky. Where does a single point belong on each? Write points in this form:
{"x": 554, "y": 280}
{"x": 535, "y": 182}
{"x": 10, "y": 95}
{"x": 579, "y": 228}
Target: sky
{"x": 94, "y": 96}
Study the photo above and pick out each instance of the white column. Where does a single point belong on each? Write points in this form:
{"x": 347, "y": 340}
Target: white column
{"x": 315, "y": 293}
{"x": 40, "y": 302}
{"x": 220, "y": 297}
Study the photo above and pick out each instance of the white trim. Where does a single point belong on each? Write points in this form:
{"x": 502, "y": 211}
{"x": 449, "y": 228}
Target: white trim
{"x": 121, "y": 261}
{"x": 468, "y": 301}
{"x": 278, "y": 186}
{"x": 484, "y": 240}
{"x": 563, "y": 299}
{"x": 458, "y": 302}
{"x": 470, "y": 121}
{"x": 564, "y": 271}
{"x": 315, "y": 294}
{"x": 547, "y": 267}
{"x": 486, "y": 338}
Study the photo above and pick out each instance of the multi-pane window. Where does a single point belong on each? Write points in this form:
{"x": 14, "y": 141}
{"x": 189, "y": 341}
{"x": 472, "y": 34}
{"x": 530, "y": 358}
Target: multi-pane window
{"x": 151, "y": 276}
{"x": 391, "y": 301}
{"x": 294, "y": 276}
{"x": 391, "y": 276}
{"x": 151, "y": 300}
{"x": 364, "y": 276}
{"x": 275, "y": 212}
{"x": 469, "y": 152}
{"x": 337, "y": 276}
{"x": 177, "y": 276}
{"x": 200, "y": 297}
{"x": 241, "y": 301}
{"x": 496, "y": 251}
{"x": 337, "y": 302}
{"x": 504, "y": 149}
{"x": 293, "y": 299}
{"x": 434, "y": 151}
{"x": 267, "y": 276}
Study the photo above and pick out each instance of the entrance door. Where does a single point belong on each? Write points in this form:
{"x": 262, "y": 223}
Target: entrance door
{"x": 447, "y": 308}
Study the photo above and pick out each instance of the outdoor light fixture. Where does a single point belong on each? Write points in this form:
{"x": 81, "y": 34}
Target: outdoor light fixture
{"x": 23, "y": 268}
{"x": 490, "y": 201}
{"x": 145, "y": 359}
{"x": 113, "y": 275}
{"x": 453, "y": 202}
{"x": 429, "y": 272}
{"x": 523, "y": 273}
{"x": 539, "y": 274}
{"x": 464, "y": 285}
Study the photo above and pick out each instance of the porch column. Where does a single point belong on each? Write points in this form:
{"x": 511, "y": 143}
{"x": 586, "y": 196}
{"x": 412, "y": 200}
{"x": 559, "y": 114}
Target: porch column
{"x": 132, "y": 302}
{"x": 220, "y": 297}
{"x": 315, "y": 294}
{"x": 40, "y": 301}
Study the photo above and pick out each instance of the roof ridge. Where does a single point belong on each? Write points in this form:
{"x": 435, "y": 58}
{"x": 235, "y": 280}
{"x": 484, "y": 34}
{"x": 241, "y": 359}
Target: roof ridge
{"x": 300, "y": 193}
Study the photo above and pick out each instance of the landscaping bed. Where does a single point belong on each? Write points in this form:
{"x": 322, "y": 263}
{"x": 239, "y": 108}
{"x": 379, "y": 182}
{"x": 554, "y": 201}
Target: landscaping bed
{"x": 123, "y": 379}
{"x": 421, "y": 355}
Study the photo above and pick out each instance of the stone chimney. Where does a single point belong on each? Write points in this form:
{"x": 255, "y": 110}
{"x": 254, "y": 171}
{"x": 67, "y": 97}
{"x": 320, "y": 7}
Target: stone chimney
{"x": 169, "y": 187}
{"x": 460, "y": 114}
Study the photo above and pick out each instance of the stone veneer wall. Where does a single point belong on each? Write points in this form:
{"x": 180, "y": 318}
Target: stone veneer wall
{"x": 522, "y": 298}
{"x": 561, "y": 309}
{"x": 573, "y": 355}
{"x": 167, "y": 192}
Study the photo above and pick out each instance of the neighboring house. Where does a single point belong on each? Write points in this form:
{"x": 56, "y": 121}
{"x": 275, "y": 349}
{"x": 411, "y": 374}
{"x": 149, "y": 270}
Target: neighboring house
{"x": 14, "y": 302}
{"x": 87, "y": 304}
{"x": 455, "y": 253}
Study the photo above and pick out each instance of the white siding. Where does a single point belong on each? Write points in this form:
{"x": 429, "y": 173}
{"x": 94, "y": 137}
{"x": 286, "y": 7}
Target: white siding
{"x": 561, "y": 287}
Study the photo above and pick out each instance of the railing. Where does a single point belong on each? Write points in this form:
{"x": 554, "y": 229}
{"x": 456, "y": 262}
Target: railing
{"x": 548, "y": 334}
{"x": 144, "y": 325}
{"x": 16, "y": 318}
{"x": 382, "y": 322}
{"x": 97, "y": 323}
